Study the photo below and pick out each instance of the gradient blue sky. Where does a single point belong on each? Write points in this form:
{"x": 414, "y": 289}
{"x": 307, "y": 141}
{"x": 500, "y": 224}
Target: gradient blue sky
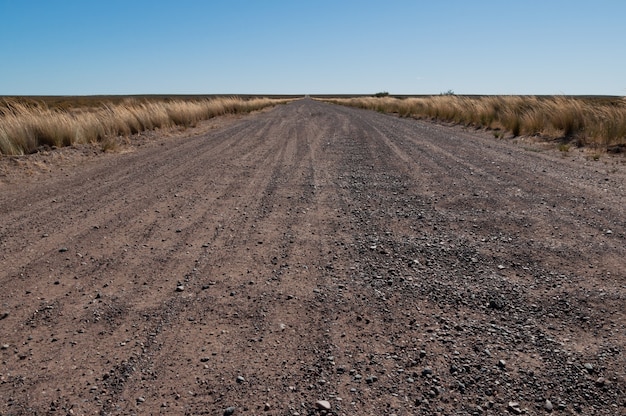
{"x": 83, "y": 47}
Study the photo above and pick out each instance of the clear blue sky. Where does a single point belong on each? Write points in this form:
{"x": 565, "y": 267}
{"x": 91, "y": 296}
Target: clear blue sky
{"x": 83, "y": 47}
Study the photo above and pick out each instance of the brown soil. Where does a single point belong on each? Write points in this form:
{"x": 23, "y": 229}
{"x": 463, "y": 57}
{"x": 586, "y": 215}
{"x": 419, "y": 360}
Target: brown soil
{"x": 313, "y": 252}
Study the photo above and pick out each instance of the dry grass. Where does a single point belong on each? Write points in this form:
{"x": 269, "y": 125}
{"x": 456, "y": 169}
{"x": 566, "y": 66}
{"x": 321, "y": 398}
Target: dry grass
{"x": 26, "y": 125}
{"x": 585, "y": 121}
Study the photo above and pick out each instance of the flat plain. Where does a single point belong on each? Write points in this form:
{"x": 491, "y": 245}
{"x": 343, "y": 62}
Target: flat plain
{"x": 314, "y": 259}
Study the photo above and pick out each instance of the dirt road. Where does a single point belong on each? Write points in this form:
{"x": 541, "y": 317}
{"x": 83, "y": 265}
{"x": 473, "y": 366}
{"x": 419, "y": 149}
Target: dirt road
{"x": 315, "y": 252}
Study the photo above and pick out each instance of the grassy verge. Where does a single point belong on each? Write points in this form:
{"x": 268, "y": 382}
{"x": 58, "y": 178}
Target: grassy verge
{"x": 28, "y": 124}
{"x": 583, "y": 121}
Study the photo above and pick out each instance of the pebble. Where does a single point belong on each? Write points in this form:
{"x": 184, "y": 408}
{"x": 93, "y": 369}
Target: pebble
{"x": 589, "y": 367}
{"x": 427, "y": 371}
{"x": 322, "y": 404}
{"x": 240, "y": 379}
{"x": 180, "y": 288}
{"x": 514, "y": 408}
{"x": 502, "y": 364}
{"x": 62, "y": 249}
{"x": 548, "y": 405}
{"x": 371, "y": 379}
{"x": 229, "y": 411}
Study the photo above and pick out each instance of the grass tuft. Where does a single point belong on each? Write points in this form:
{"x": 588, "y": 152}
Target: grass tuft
{"x": 586, "y": 121}
{"x": 26, "y": 125}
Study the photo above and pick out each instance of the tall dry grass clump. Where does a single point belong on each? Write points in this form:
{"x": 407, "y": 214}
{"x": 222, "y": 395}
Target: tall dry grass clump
{"x": 26, "y": 126}
{"x": 587, "y": 121}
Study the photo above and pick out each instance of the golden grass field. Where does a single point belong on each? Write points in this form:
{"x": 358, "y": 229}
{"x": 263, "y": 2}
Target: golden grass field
{"x": 26, "y": 124}
{"x": 582, "y": 121}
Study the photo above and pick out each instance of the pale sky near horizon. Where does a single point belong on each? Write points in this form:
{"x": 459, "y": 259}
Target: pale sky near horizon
{"x": 85, "y": 47}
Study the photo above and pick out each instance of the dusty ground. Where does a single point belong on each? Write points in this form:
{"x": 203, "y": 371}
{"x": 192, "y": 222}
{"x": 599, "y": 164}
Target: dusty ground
{"x": 313, "y": 252}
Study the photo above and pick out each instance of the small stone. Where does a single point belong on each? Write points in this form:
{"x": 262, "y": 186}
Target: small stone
{"x": 267, "y": 407}
{"x": 497, "y": 304}
{"x": 461, "y": 386}
{"x": 589, "y": 367}
{"x": 141, "y": 399}
{"x": 3, "y": 315}
{"x": 180, "y": 288}
{"x": 548, "y": 405}
{"x": 229, "y": 411}
{"x": 427, "y": 371}
{"x": 371, "y": 379}
{"x": 62, "y": 249}
{"x": 514, "y": 408}
{"x": 4, "y": 347}
{"x": 322, "y": 404}
{"x": 601, "y": 381}
{"x": 502, "y": 364}
{"x": 240, "y": 379}
{"x": 204, "y": 359}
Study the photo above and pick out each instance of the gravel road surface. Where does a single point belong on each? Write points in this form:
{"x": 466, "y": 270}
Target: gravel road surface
{"x": 316, "y": 259}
